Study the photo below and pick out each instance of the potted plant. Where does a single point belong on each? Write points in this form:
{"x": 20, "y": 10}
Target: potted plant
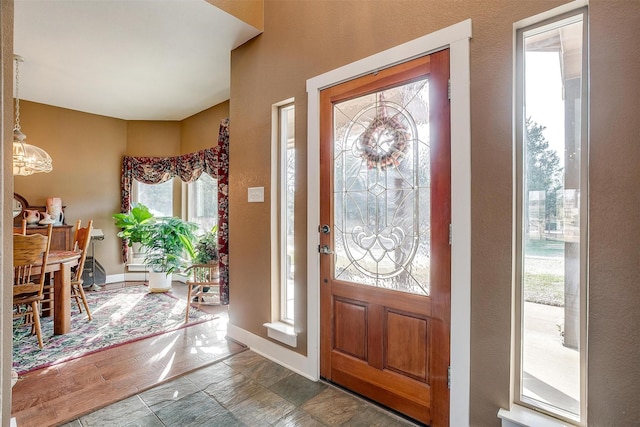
{"x": 165, "y": 241}
{"x": 206, "y": 252}
{"x": 206, "y": 248}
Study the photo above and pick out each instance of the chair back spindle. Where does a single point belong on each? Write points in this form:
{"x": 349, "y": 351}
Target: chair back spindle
{"x": 81, "y": 240}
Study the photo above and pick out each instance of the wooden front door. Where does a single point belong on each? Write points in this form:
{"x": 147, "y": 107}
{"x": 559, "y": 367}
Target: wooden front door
{"x": 385, "y": 254}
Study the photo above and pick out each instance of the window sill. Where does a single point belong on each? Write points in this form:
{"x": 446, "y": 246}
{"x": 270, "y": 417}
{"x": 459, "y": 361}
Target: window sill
{"x": 282, "y": 332}
{"x": 136, "y": 266}
{"x": 519, "y": 416}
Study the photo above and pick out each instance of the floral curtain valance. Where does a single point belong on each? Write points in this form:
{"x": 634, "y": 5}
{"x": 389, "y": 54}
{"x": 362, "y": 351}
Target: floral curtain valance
{"x": 154, "y": 170}
{"x": 213, "y": 161}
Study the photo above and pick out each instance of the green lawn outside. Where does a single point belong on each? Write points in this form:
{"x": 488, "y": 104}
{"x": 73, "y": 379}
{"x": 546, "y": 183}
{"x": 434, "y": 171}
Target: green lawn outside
{"x": 544, "y": 272}
{"x": 544, "y": 289}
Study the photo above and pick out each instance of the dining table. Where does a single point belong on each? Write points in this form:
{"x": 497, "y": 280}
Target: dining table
{"x": 59, "y": 264}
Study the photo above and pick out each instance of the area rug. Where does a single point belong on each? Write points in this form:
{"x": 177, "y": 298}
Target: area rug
{"x": 120, "y": 316}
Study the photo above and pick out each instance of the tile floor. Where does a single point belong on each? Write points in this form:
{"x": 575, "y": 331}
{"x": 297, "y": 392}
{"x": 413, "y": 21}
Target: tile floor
{"x": 244, "y": 390}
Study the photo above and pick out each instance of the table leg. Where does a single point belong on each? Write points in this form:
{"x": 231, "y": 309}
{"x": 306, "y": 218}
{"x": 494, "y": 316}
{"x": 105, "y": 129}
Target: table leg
{"x": 62, "y": 299}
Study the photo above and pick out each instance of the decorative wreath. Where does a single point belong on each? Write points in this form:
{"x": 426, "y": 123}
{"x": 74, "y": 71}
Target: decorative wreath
{"x": 372, "y": 152}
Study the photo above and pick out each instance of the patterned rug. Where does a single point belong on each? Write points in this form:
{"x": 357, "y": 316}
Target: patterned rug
{"x": 120, "y": 316}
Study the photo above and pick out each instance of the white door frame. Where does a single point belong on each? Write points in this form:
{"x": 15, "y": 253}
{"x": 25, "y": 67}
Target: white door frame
{"x": 456, "y": 38}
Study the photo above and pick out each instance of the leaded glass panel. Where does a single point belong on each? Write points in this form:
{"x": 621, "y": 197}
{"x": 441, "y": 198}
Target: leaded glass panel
{"x": 382, "y": 189}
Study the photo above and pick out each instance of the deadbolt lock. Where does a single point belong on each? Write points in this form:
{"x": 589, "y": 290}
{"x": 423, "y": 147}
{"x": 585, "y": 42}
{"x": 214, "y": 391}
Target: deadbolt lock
{"x": 324, "y": 249}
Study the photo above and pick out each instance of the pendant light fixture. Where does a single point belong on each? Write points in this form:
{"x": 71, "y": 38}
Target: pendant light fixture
{"x": 27, "y": 159}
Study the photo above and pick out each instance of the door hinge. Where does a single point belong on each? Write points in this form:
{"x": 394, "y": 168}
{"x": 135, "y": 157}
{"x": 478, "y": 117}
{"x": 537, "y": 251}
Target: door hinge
{"x": 449, "y": 377}
{"x": 450, "y": 234}
{"x": 449, "y": 89}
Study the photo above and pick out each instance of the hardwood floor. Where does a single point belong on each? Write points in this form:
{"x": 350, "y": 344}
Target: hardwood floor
{"x": 54, "y": 395}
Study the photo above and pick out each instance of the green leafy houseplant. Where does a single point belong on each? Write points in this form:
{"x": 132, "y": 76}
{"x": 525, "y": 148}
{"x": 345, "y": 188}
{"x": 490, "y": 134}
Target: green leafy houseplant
{"x": 206, "y": 248}
{"x": 135, "y": 224}
{"x": 164, "y": 240}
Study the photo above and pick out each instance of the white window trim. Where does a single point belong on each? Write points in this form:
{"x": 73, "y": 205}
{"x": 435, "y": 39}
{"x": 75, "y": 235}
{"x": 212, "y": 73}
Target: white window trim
{"x": 518, "y": 415}
{"x": 282, "y": 184}
{"x": 277, "y": 329}
{"x": 456, "y": 38}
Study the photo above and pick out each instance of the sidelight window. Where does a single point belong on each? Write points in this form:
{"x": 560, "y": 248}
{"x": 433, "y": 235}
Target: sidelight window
{"x": 551, "y": 221}
{"x": 287, "y": 183}
{"x": 283, "y": 254}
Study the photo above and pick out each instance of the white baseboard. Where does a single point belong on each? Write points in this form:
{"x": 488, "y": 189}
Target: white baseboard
{"x": 289, "y": 359}
{"x": 113, "y": 278}
{"x": 138, "y": 276}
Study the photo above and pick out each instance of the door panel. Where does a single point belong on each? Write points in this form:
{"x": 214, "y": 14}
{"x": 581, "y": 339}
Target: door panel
{"x": 385, "y": 193}
{"x": 350, "y": 333}
{"x": 407, "y": 345}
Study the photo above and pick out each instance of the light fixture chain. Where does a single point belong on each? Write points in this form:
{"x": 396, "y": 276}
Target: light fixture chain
{"x": 27, "y": 159}
{"x": 17, "y": 126}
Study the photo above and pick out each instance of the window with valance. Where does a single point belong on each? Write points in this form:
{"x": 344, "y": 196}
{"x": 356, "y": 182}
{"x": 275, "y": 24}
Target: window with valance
{"x": 188, "y": 167}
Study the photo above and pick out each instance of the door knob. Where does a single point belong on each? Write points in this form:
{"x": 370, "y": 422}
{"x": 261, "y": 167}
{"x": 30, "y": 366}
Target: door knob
{"x": 325, "y": 229}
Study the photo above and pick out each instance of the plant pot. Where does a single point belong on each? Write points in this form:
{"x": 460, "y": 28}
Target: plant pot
{"x": 159, "y": 281}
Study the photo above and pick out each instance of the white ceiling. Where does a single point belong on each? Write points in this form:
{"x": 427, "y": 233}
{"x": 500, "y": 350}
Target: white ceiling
{"x": 129, "y": 59}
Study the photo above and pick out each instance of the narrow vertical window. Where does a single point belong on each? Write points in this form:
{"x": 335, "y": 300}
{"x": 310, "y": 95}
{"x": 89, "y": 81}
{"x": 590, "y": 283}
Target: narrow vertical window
{"x": 281, "y": 326}
{"x": 202, "y": 203}
{"x": 287, "y": 203}
{"x": 552, "y": 222}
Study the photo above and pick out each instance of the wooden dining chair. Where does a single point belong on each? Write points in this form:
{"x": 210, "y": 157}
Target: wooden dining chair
{"x": 81, "y": 240}
{"x": 203, "y": 286}
{"x": 30, "y": 254}
{"x": 22, "y": 229}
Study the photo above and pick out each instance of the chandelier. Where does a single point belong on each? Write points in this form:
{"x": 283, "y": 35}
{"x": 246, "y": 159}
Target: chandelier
{"x": 27, "y": 159}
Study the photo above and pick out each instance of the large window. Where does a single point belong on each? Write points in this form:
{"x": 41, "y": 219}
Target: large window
{"x": 551, "y": 223}
{"x": 199, "y": 197}
{"x": 157, "y": 197}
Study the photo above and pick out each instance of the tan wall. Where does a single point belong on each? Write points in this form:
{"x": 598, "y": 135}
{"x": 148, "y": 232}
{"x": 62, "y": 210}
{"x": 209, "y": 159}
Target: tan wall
{"x": 614, "y": 265}
{"x": 153, "y": 138}
{"x": 87, "y": 152}
{"x": 201, "y": 130}
{"x": 328, "y": 34}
